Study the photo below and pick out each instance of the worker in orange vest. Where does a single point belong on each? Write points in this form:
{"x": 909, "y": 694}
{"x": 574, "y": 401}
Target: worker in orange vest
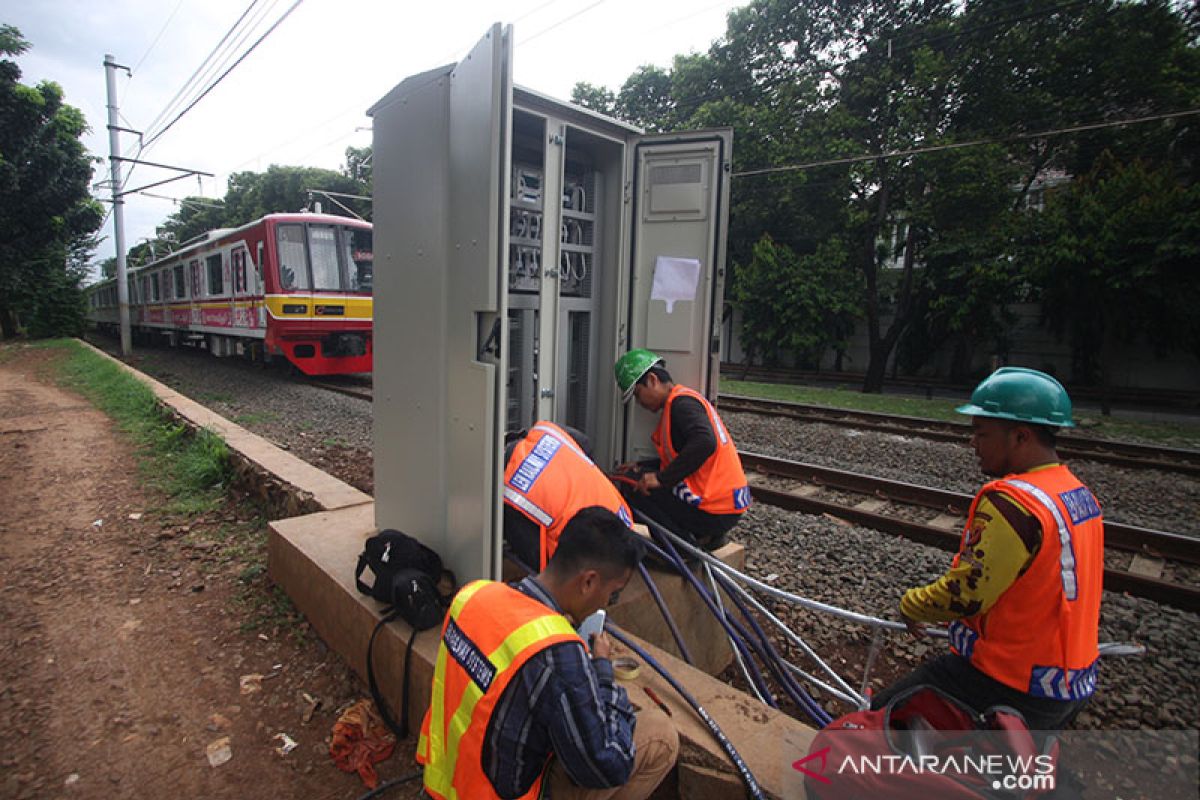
{"x": 549, "y": 476}
{"x": 1022, "y": 595}
{"x": 520, "y": 703}
{"x": 697, "y": 488}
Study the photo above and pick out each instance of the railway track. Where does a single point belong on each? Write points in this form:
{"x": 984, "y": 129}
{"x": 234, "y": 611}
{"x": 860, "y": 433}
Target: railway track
{"x": 361, "y": 391}
{"x": 1142, "y": 398}
{"x": 1124, "y": 454}
{"x": 1136, "y": 557}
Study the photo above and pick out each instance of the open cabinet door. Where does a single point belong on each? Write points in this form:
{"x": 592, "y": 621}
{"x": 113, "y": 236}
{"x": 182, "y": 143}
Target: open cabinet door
{"x": 441, "y": 189}
{"x": 680, "y": 209}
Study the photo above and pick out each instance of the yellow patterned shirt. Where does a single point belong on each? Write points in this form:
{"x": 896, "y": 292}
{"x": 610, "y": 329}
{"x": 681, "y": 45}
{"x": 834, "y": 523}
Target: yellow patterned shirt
{"x": 1004, "y": 538}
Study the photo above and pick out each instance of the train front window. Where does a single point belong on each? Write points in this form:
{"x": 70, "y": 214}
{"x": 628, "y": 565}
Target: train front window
{"x": 358, "y": 252}
{"x": 293, "y": 260}
{"x": 322, "y": 248}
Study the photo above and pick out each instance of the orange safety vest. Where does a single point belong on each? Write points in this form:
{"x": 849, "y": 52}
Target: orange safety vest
{"x": 489, "y": 633}
{"x": 1040, "y": 637}
{"x": 549, "y": 480}
{"x": 719, "y": 486}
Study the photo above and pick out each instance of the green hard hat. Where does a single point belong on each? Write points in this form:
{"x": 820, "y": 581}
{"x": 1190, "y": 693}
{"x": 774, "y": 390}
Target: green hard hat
{"x": 1021, "y": 394}
{"x": 630, "y": 368}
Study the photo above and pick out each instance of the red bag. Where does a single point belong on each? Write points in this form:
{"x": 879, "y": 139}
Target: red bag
{"x": 924, "y": 745}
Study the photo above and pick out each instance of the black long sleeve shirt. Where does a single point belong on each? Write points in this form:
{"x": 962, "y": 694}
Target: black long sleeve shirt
{"x": 693, "y": 438}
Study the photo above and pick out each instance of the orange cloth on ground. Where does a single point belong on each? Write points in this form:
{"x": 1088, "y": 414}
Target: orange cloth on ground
{"x": 360, "y": 740}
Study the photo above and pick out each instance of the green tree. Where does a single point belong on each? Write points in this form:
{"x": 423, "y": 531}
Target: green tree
{"x": 1115, "y": 254}
{"x": 358, "y": 167}
{"x": 803, "y": 305}
{"x": 597, "y": 98}
{"x": 46, "y": 215}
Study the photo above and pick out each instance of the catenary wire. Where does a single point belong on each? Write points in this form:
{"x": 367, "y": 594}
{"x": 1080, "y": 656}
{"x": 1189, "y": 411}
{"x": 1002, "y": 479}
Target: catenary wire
{"x": 194, "y": 77}
{"x": 224, "y": 74}
{"x": 960, "y": 145}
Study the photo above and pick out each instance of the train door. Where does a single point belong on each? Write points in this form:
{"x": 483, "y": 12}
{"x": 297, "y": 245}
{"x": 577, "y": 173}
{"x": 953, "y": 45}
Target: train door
{"x": 680, "y": 193}
{"x": 243, "y": 291}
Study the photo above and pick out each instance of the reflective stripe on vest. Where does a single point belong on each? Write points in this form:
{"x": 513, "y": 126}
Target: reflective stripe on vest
{"x": 1066, "y": 557}
{"x": 1040, "y": 636}
{"x": 719, "y": 485}
{"x": 489, "y": 634}
{"x": 549, "y": 479}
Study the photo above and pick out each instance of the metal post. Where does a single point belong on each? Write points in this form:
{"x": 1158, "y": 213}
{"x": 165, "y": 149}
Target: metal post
{"x": 114, "y": 148}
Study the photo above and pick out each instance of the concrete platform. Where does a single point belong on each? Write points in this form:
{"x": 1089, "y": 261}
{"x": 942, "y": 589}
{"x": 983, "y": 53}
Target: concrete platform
{"x": 313, "y": 559}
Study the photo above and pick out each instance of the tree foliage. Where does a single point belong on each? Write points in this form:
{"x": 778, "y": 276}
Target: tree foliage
{"x": 1115, "y": 255}
{"x": 46, "y": 215}
{"x": 934, "y": 224}
{"x": 803, "y": 305}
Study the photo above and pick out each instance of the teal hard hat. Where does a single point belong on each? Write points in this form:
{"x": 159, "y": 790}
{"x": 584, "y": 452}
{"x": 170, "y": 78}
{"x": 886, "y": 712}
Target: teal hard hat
{"x": 1021, "y": 394}
{"x": 630, "y": 368}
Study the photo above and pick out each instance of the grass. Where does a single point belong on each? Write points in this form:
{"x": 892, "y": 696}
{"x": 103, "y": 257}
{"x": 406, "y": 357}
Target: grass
{"x": 1178, "y": 433}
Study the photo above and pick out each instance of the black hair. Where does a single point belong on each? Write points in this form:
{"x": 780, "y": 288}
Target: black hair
{"x": 658, "y": 371}
{"x": 596, "y": 538}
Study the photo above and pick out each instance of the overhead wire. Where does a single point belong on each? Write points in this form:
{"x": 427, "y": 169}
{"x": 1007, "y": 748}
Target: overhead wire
{"x": 562, "y": 22}
{"x": 154, "y": 43}
{"x": 224, "y": 74}
{"x": 194, "y": 78}
{"x": 960, "y": 145}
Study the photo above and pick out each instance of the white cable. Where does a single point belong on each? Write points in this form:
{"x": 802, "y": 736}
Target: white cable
{"x": 858, "y": 702}
{"x": 803, "y": 602}
{"x": 794, "y": 639}
{"x": 737, "y": 652}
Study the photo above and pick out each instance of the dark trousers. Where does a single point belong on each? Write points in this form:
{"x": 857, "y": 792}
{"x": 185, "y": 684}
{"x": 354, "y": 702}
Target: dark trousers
{"x": 955, "y": 676}
{"x": 688, "y": 522}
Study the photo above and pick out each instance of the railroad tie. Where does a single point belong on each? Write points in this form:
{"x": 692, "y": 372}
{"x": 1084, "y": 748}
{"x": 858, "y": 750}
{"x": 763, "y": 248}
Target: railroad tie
{"x": 945, "y": 522}
{"x": 1146, "y": 566}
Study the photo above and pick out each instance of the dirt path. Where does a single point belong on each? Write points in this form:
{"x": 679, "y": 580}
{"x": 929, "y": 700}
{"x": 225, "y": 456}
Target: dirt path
{"x": 125, "y": 633}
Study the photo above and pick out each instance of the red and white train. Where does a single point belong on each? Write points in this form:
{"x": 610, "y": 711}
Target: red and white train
{"x": 291, "y": 285}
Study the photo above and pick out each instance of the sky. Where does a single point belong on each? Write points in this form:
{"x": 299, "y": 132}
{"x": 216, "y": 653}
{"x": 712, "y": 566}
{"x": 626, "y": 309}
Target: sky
{"x": 300, "y": 98}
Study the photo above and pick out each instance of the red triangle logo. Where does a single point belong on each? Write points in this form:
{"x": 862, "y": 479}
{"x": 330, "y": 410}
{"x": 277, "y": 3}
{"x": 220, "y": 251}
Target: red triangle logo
{"x": 822, "y": 754}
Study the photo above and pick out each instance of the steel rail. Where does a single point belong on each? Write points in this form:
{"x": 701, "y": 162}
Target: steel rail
{"x": 1129, "y": 454}
{"x": 360, "y": 393}
{"x": 1173, "y": 546}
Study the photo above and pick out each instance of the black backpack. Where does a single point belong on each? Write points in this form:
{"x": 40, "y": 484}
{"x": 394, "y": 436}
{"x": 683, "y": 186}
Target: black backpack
{"x": 406, "y": 575}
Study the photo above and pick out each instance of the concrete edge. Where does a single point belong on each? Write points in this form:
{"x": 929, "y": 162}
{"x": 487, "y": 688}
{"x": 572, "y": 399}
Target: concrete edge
{"x": 288, "y": 485}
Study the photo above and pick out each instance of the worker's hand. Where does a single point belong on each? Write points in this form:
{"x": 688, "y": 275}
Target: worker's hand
{"x": 647, "y": 482}
{"x": 601, "y": 646}
{"x": 916, "y": 629}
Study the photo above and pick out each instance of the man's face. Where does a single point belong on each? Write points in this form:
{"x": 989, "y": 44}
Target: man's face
{"x": 649, "y": 393}
{"x": 993, "y": 441}
{"x": 602, "y": 591}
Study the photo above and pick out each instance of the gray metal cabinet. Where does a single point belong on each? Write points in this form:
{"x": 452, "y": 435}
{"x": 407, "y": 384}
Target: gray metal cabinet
{"x": 522, "y": 245}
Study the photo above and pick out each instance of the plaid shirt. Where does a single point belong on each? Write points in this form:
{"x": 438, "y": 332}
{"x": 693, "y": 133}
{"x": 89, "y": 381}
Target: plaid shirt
{"x": 562, "y": 702}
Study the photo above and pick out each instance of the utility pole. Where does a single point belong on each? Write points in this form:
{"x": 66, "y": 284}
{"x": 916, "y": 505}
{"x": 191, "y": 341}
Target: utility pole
{"x": 114, "y": 164}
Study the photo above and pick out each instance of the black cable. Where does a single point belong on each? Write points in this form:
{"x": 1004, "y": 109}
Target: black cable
{"x": 394, "y": 782}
